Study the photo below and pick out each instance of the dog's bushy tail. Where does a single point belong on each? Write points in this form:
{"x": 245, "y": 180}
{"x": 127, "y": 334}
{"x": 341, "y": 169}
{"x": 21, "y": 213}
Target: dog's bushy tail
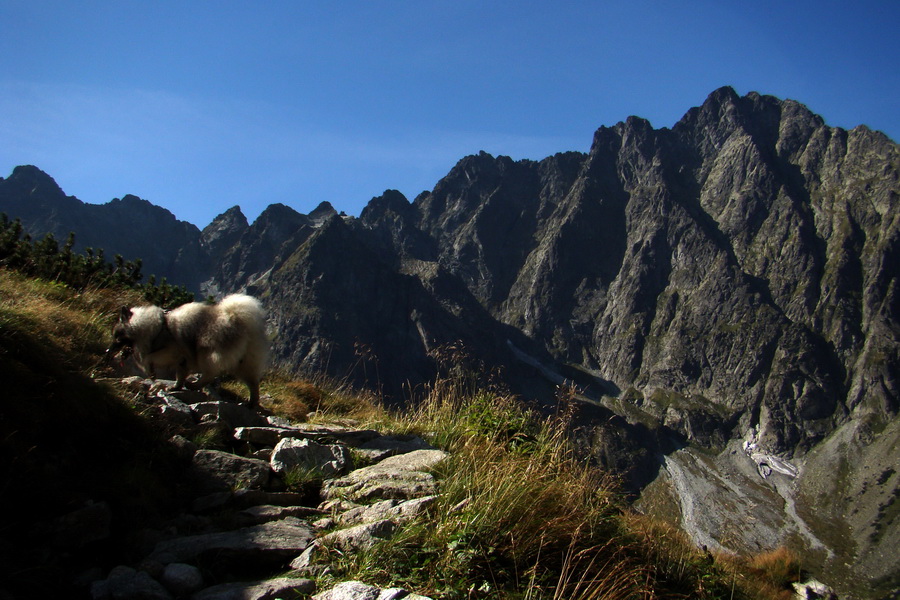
{"x": 244, "y": 309}
{"x": 247, "y": 319}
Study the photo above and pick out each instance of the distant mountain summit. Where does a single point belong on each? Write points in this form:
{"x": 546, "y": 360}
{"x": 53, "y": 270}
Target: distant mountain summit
{"x": 731, "y": 283}
{"x": 129, "y": 226}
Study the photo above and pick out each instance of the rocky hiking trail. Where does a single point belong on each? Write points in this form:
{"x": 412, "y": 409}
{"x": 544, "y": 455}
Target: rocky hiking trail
{"x": 244, "y": 535}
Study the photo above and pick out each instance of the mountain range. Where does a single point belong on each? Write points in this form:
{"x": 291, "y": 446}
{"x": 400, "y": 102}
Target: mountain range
{"x": 721, "y": 296}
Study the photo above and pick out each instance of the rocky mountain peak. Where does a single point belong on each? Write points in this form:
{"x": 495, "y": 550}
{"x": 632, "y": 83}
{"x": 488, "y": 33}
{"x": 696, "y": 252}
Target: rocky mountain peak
{"x": 28, "y": 181}
{"x": 224, "y": 232}
{"x": 322, "y": 212}
{"x": 391, "y": 201}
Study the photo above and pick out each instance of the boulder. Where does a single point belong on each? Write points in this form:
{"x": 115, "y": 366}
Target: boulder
{"x": 216, "y": 471}
{"x": 318, "y": 459}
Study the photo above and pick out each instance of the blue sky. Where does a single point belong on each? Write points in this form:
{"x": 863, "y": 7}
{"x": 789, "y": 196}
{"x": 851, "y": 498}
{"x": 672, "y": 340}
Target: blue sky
{"x": 200, "y": 105}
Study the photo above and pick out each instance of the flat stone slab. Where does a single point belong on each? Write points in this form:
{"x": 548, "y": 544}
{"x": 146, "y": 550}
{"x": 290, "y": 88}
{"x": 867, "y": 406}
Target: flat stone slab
{"x": 278, "y": 541}
{"x": 281, "y": 587}
{"x": 390, "y": 445}
{"x": 248, "y": 498}
{"x": 271, "y": 435}
{"x": 398, "y": 477}
{"x": 395, "y": 510}
{"x": 233, "y": 414}
{"x": 267, "y": 512}
{"x": 356, "y": 590}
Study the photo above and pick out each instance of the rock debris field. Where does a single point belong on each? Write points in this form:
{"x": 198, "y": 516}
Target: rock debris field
{"x": 269, "y": 531}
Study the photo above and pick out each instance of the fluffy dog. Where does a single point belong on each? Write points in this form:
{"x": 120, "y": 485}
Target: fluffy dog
{"x": 209, "y": 339}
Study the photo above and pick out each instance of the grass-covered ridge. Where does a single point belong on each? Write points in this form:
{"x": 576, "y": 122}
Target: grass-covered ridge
{"x": 519, "y": 516}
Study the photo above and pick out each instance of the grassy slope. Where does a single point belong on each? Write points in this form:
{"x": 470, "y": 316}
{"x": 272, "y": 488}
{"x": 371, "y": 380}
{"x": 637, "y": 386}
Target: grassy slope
{"x": 519, "y": 517}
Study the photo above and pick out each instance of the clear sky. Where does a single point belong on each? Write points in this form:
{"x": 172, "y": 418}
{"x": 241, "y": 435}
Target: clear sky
{"x": 200, "y": 105}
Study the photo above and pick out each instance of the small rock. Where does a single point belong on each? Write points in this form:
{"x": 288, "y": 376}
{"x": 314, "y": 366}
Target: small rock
{"x": 350, "y": 590}
{"x": 813, "y": 590}
{"x": 182, "y": 579}
{"x": 359, "y": 537}
{"x": 263, "y": 436}
{"x": 184, "y": 447}
{"x": 126, "y": 583}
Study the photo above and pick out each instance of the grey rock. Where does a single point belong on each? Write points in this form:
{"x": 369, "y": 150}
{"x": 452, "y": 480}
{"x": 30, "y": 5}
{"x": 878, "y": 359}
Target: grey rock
{"x": 264, "y": 436}
{"x": 356, "y": 590}
{"x": 265, "y": 513}
{"x": 397, "y": 477}
{"x": 125, "y": 583}
{"x": 214, "y": 501}
{"x": 359, "y": 537}
{"x": 174, "y": 411}
{"x": 417, "y": 460}
{"x": 271, "y": 542}
{"x": 164, "y": 390}
{"x": 246, "y": 498}
{"x": 306, "y": 563}
{"x": 216, "y": 471}
{"x": 183, "y": 446}
{"x": 181, "y": 579}
{"x": 399, "y": 594}
{"x": 394, "y": 510}
{"x": 271, "y": 435}
{"x": 813, "y": 590}
{"x": 390, "y": 445}
{"x": 321, "y": 460}
{"x": 234, "y": 415}
{"x": 280, "y": 587}
{"x": 350, "y": 590}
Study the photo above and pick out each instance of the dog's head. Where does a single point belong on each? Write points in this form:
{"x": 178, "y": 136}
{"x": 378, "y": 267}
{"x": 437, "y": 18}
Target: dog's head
{"x": 123, "y": 341}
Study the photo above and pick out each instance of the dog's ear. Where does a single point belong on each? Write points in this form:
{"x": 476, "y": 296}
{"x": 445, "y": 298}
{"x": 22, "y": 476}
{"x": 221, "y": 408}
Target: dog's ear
{"x": 124, "y": 314}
